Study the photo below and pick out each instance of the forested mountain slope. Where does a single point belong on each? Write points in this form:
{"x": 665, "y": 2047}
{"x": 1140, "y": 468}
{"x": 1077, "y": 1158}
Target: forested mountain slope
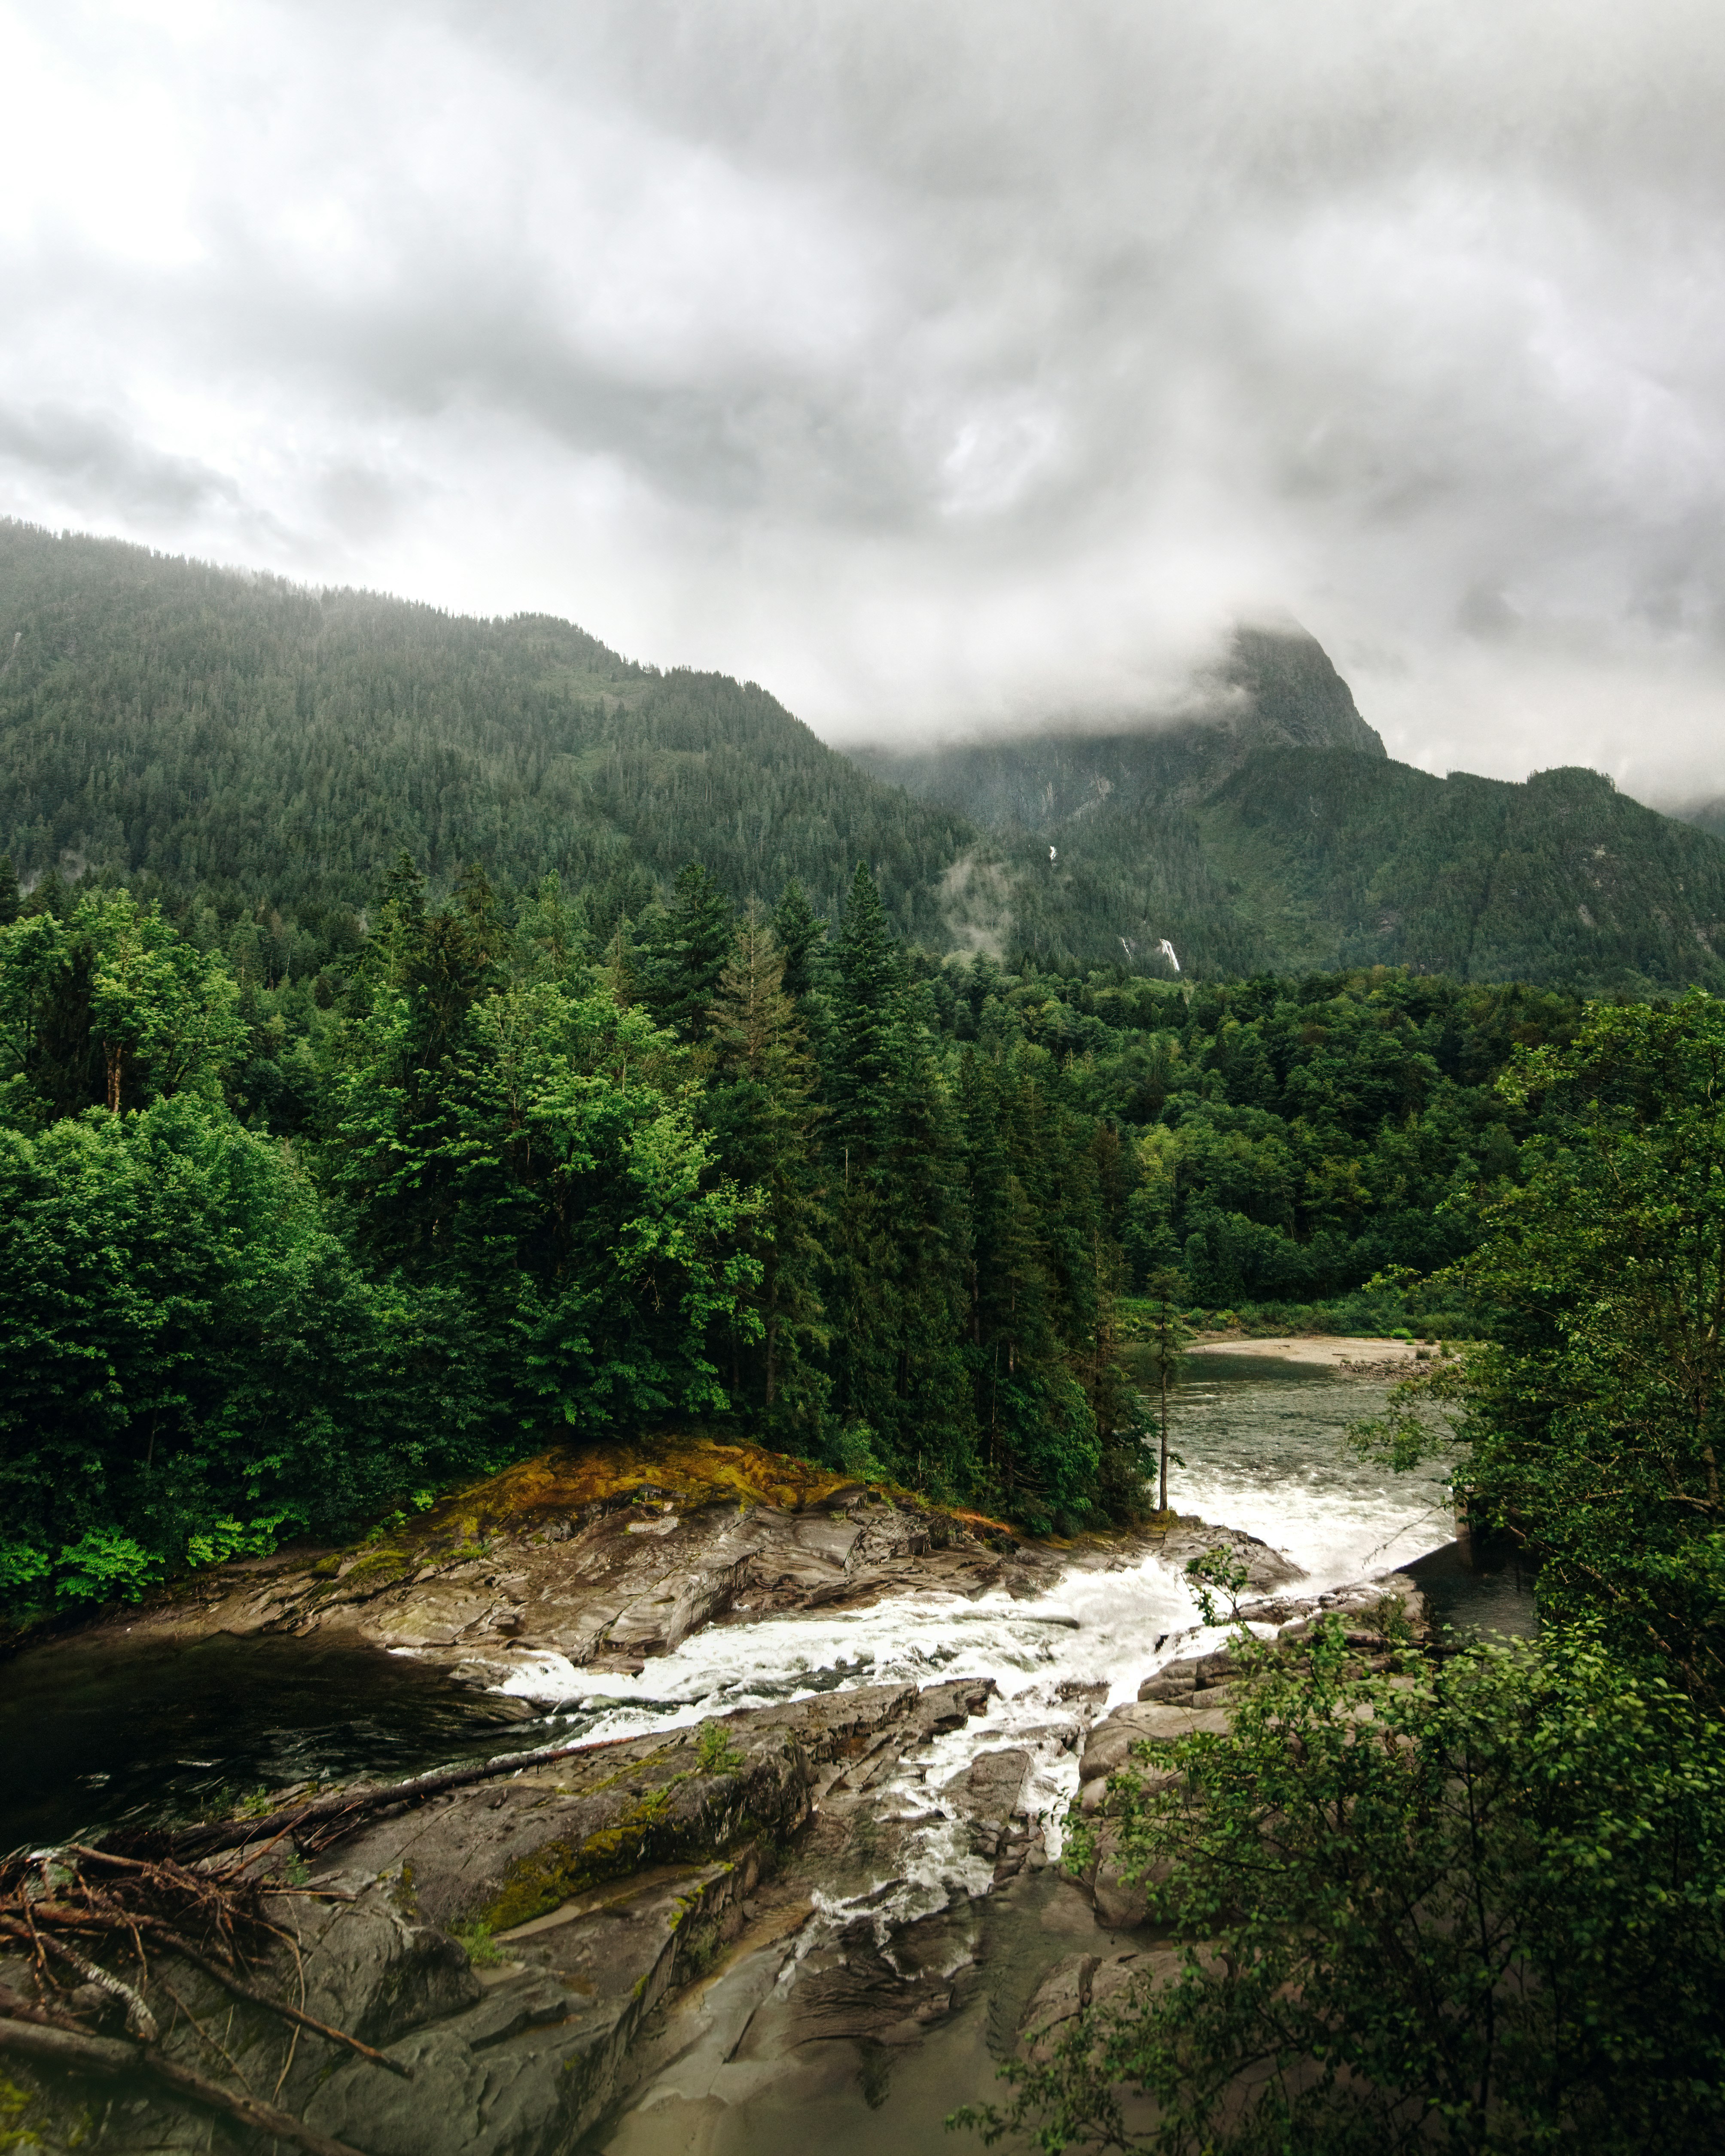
{"x": 1278, "y": 836}
{"x": 1340, "y": 861}
{"x": 274, "y": 745}
{"x": 251, "y": 751}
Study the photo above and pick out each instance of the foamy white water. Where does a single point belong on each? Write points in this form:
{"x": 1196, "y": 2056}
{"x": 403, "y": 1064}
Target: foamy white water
{"x": 1264, "y": 1452}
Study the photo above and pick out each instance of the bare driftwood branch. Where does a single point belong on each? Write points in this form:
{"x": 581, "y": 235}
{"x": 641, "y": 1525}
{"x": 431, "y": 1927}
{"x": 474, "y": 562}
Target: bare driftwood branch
{"x": 344, "y": 1807}
{"x": 107, "y": 2058}
{"x": 139, "y": 2019}
{"x": 241, "y": 1989}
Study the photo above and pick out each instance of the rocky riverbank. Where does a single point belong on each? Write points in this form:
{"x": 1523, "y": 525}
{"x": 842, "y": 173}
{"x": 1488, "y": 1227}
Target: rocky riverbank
{"x": 524, "y": 1949}
{"x": 608, "y": 1557}
{"x": 524, "y": 1945}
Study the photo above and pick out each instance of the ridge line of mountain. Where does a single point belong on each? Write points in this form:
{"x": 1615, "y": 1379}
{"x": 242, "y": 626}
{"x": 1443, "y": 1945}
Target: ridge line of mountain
{"x": 247, "y": 749}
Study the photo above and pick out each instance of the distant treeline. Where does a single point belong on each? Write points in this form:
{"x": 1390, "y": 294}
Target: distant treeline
{"x": 253, "y": 755}
{"x": 241, "y": 747}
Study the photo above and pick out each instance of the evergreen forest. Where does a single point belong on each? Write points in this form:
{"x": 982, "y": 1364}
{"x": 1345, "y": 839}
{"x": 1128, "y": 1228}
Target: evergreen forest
{"x": 283, "y": 1254}
{"x": 253, "y": 755}
{"x": 424, "y": 1041}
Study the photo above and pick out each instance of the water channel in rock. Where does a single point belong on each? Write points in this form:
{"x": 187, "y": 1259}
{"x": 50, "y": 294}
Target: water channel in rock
{"x": 1263, "y": 1448}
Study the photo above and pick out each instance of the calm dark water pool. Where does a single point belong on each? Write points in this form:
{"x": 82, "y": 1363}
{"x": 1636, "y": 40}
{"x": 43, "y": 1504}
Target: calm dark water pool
{"x": 94, "y": 1733}
{"x": 1480, "y": 1589}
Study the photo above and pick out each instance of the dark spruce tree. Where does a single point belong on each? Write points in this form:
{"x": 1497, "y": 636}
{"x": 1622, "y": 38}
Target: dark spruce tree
{"x": 896, "y": 1284}
{"x": 761, "y": 1109}
{"x": 799, "y": 932}
{"x": 684, "y": 950}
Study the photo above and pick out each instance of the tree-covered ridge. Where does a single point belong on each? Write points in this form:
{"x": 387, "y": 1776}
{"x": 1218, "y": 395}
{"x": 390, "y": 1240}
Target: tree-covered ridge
{"x": 267, "y": 750}
{"x": 254, "y": 754}
{"x": 1274, "y": 689}
{"x": 1278, "y": 837}
{"x": 1294, "y": 858}
{"x": 1559, "y": 878}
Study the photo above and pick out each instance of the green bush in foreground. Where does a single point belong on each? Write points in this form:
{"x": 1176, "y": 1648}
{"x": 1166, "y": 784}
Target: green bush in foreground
{"x": 1480, "y": 1911}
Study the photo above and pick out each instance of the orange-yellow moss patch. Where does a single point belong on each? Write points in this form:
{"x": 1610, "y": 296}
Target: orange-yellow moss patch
{"x": 668, "y": 1466}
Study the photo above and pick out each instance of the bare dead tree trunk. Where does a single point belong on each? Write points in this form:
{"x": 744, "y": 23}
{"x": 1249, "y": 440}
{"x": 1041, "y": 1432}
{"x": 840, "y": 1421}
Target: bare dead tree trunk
{"x": 1161, "y": 1366}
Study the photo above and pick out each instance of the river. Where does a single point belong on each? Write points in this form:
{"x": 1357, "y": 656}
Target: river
{"x": 110, "y": 1737}
{"x": 1262, "y": 1441}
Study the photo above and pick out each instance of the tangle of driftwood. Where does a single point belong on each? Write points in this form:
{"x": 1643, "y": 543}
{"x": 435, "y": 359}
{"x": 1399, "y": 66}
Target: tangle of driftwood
{"x": 63, "y": 1907}
{"x": 45, "y": 2041}
{"x": 166, "y": 1885}
{"x": 314, "y": 1824}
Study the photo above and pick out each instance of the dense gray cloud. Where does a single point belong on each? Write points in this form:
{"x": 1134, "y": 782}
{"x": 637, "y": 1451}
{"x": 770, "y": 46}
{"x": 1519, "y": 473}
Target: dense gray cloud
{"x": 940, "y": 365}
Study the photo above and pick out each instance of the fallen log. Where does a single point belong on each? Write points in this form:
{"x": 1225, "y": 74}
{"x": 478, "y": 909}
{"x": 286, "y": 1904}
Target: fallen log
{"x": 107, "y": 2058}
{"x": 330, "y": 1817}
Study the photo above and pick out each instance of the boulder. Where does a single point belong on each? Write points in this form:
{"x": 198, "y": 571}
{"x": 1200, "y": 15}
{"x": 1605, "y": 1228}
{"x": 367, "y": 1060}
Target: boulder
{"x": 1073, "y": 1985}
{"x": 1109, "y": 1746}
{"x": 1122, "y": 1904}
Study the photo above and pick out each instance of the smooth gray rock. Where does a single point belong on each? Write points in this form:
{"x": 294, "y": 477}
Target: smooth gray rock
{"x": 1108, "y": 1748}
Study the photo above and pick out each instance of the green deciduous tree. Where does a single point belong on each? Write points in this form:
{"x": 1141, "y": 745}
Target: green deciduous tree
{"x": 1480, "y": 1912}
{"x": 533, "y": 1148}
{"x": 182, "y": 1342}
{"x": 1596, "y": 1421}
{"x": 110, "y": 1005}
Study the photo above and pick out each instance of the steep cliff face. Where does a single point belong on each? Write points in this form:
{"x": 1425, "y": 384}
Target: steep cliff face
{"x": 1274, "y": 834}
{"x": 1276, "y": 688}
{"x": 1295, "y": 695}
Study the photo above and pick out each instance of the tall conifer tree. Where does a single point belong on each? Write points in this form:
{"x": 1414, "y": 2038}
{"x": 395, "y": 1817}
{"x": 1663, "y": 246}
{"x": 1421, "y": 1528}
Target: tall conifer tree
{"x": 686, "y": 950}
{"x": 896, "y": 1292}
{"x": 799, "y": 932}
{"x": 760, "y": 1108}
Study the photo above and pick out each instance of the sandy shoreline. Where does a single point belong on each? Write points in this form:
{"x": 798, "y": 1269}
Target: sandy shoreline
{"x": 1326, "y": 1350}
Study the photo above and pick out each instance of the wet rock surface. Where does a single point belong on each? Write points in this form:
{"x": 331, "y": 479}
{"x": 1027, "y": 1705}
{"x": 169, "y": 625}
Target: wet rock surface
{"x": 509, "y": 1852}
{"x": 1190, "y": 1695}
{"x": 693, "y": 1912}
{"x": 597, "y": 1887}
{"x": 712, "y": 1903}
{"x": 610, "y": 1560}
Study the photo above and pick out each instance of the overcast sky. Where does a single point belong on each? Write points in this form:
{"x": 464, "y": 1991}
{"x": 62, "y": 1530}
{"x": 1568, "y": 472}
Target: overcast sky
{"x": 937, "y": 365}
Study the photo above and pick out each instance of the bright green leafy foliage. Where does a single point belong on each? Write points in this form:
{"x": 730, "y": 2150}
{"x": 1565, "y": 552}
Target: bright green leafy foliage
{"x": 531, "y": 1147}
{"x": 1479, "y": 1910}
{"x": 475, "y": 1194}
{"x": 1595, "y": 1419}
{"x": 109, "y": 1006}
{"x": 188, "y": 1353}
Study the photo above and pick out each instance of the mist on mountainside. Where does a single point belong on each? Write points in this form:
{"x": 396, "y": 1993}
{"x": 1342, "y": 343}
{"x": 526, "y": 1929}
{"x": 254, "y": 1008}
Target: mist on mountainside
{"x": 256, "y": 755}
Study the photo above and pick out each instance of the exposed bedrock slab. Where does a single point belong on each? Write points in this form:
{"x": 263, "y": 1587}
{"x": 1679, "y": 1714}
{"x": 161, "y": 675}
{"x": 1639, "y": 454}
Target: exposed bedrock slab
{"x": 607, "y": 1883}
{"x": 511, "y": 1851}
{"x": 611, "y": 1556}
